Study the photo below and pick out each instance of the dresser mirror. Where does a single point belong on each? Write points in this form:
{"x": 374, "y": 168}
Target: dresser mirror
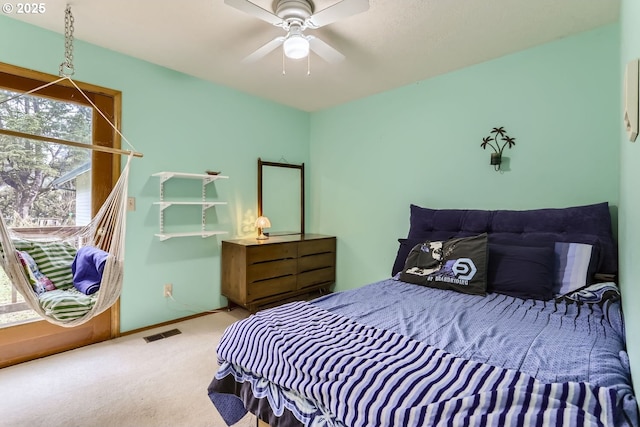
{"x": 281, "y": 196}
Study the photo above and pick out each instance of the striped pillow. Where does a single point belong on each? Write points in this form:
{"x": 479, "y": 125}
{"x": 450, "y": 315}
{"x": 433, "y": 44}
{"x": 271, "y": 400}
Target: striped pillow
{"x": 574, "y": 267}
{"x": 53, "y": 259}
{"x": 66, "y": 305}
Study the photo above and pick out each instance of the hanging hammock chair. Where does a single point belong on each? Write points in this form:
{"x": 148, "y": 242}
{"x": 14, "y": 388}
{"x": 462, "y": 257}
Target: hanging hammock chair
{"x": 47, "y": 269}
{"x": 93, "y": 249}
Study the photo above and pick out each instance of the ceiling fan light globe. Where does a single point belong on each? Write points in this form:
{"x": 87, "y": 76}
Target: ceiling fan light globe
{"x": 296, "y": 47}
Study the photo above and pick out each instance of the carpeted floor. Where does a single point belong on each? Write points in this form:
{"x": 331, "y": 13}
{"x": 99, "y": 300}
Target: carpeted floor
{"x": 121, "y": 383}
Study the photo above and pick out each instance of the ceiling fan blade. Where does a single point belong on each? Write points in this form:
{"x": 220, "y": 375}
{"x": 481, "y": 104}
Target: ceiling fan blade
{"x": 253, "y": 9}
{"x": 324, "y": 51}
{"x": 338, "y": 11}
{"x": 264, "y": 50}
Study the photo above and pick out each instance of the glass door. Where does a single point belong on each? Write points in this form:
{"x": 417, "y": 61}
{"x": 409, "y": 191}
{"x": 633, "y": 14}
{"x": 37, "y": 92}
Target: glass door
{"x": 46, "y": 185}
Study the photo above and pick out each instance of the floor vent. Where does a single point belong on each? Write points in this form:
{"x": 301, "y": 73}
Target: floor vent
{"x": 161, "y": 335}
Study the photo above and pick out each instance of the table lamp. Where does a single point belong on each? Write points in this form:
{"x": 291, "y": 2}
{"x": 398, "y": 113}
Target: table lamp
{"x": 262, "y": 222}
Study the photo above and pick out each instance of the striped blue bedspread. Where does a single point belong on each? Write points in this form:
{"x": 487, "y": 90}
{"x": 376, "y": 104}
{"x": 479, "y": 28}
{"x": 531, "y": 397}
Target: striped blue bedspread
{"x": 553, "y": 342}
{"x": 332, "y": 371}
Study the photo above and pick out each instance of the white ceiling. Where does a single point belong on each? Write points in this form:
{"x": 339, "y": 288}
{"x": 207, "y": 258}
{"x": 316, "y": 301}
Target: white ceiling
{"x": 394, "y": 43}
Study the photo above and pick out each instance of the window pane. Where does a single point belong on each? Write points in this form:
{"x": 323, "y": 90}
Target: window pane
{"x": 41, "y": 183}
{"x": 44, "y": 184}
{"x": 45, "y": 117}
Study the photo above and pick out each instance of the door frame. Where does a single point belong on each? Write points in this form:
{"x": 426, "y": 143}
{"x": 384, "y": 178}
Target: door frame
{"x": 35, "y": 339}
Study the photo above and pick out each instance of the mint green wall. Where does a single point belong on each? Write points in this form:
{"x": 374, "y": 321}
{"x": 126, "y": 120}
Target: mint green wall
{"x": 629, "y": 235}
{"x": 183, "y": 124}
{"x": 421, "y": 144}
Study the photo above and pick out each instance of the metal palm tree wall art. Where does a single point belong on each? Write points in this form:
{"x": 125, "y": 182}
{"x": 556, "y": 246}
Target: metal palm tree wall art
{"x": 498, "y": 146}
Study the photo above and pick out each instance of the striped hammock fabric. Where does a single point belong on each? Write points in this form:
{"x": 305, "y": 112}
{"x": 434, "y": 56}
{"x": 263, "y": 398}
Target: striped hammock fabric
{"x": 330, "y": 371}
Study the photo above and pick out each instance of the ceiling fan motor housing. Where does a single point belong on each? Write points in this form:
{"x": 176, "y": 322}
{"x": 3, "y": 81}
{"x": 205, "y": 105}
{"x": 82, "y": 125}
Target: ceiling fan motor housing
{"x": 294, "y": 11}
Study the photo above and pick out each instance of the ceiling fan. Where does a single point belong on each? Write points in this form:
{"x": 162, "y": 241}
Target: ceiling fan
{"x": 295, "y": 16}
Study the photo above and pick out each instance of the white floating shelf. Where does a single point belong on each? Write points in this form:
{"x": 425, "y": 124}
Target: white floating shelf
{"x": 203, "y": 234}
{"x": 208, "y": 178}
{"x": 205, "y": 205}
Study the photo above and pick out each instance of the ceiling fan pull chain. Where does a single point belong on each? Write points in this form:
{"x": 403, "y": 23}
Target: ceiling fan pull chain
{"x": 284, "y": 72}
{"x": 308, "y": 65}
{"x": 66, "y": 68}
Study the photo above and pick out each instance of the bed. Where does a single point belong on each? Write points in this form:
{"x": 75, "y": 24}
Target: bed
{"x": 489, "y": 318}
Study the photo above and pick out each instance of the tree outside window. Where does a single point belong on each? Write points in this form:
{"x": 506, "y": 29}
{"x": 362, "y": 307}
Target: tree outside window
{"x": 42, "y": 184}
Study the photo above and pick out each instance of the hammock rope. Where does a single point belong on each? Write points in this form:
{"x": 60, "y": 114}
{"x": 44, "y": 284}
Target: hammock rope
{"x": 105, "y": 231}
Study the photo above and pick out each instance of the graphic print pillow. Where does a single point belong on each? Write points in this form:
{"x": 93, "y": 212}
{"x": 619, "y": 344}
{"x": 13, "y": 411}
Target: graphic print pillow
{"x": 39, "y": 282}
{"x": 457, "y": 264}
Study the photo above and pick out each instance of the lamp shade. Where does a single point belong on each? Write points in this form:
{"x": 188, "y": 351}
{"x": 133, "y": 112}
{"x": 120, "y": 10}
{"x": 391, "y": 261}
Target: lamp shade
{"x": 263, "y": 222}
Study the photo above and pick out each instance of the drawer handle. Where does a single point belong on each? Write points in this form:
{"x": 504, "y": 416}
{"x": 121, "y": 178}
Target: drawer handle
{"x": 272, "y": 278}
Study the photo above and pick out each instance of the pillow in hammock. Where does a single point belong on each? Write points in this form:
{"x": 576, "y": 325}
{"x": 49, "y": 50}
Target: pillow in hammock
{"x": 54, "y": 261}
{"x": 66, "y": 305}
{"x": 39, "y": 282}
{"x": 87, "y": 268}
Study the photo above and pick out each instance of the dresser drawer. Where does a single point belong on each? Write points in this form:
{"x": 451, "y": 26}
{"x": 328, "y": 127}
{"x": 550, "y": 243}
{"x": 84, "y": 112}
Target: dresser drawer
{"x": 271, "y": 270}
{"x": 316, "y": 277}
{"x": 261, "y": 253}
{"x": 267, "y": 288}
{"x": 314, "y": 262}
{"x": 316, "y": 246}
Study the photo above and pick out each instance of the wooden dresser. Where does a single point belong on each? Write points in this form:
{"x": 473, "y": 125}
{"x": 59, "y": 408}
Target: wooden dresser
{"x": 259, "y": 273}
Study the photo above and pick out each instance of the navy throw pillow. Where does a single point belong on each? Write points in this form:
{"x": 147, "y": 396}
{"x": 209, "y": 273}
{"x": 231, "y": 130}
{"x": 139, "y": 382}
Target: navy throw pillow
{"x": 521, "y": 271}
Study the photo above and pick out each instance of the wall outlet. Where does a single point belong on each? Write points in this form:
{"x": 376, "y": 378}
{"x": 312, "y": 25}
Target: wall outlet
{"x": 131, "y": 204}
{"x": 168, "y": 290}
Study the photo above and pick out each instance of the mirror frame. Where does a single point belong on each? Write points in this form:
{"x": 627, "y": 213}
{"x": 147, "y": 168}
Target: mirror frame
{"x": 300, "y": 167}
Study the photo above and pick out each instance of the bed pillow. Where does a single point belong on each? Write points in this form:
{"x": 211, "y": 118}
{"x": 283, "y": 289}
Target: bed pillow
{"x": 424, "y": 221}
{"x": 582, "y": 224}
{"x": 521, "y": 271}
{"x": 403, "y": 252}
{"x": 596, "y": 293}
{"x": 457, "y": 264}
{"x": 574, "y": 264}
{"x": 407, "y": 244}
{"x": 575, "y": 267}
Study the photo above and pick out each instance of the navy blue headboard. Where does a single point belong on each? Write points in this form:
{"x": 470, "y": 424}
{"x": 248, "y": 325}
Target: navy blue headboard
{"x": 582, "y": 224}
